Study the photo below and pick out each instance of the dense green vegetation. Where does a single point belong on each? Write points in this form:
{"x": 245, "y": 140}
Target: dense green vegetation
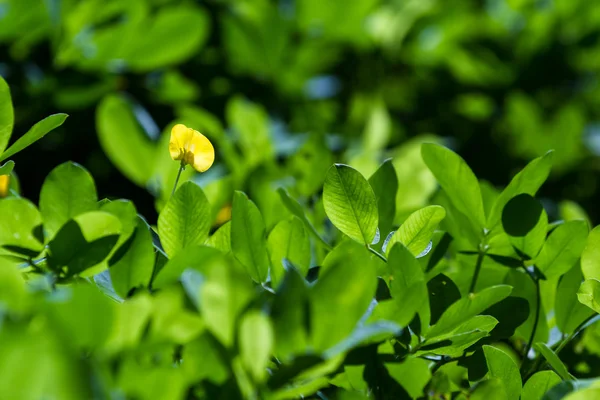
{"x": 338, "y": 247}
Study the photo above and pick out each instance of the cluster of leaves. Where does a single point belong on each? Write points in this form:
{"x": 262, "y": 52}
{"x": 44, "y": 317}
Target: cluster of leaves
{"x": 295, "y": 294}
{"x": 320, "y": 67}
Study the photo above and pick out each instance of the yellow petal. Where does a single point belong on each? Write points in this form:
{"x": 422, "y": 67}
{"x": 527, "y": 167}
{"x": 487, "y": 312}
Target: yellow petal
{"x": 203, "y": 151}
{"x": 181, "y": 137}
{"x": 4, "y": 183}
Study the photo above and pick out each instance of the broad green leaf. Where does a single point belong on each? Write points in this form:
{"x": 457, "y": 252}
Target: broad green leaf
{"x": 127, "y": 214}
{"x": 539, "y": 383}
{"x": 412, "y": 374}
{"x": 221, "y": 239}
{"x": 364, "y": 335}
{"x": 468, "y": 307}
{"x": 83, "y": 242}
{"x": 555, "y": 362}
{"x": 350, "y": 203}
{"x": 569, "y": 312}
{"x": 576, "y": 389}
{"x": 289, "y": 314}
{"x": 405, "y": 272}
{"x": 562, "y": 249}
{"x": 37, "y": 131}
{"x": 198, "y": 258}
{"x": 385, "y": 185}
{"x": 68, "y": 190}
{"x": 131, "y": 266}
{"x": 7, "y": 117}
{"x": 502, "y": 366}
{"x": 256, "y": 343}
{"x": 416, "y": 232}
{"x": 490, "y": 389}
{"x": 7, "y": 167}
{"x": 526, "y": 223}
{"x": 296, "y": 209}
{"x": 20, "y": 224}
{"x": 527, "y": 181}
{"x": 344, "y": 286}
{"x": 589, "y": 294}
{"x": 185, "y": 219}
{"x": 204, "y": 361}
{"x": 248, "y": 242}
{"x": 511, "y": 313}
{"x": 590, "y": 257}
{"x": 14, "y": 294}
{"x": 123, "y": 140}
{"x": 349, "y": 252}
{"x": 288, "y": 240}
{"x": 443, "y": 292}
{"x": 569, "y": 210}
{"x": 457, "y": 180}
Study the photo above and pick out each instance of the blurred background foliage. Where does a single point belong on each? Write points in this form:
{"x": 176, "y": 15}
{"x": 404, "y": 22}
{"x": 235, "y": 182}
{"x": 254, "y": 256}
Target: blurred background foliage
{"x": 284, "y": 88}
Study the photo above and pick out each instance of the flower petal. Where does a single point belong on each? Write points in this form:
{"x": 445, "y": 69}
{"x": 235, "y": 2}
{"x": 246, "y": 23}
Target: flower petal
{"x": 203, "y": 150}
{"x": 4, "y": 184}
{"x": 181, "y": 136}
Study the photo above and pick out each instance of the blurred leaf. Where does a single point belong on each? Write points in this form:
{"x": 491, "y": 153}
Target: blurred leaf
{"x": 416, "y": 232}
{"x": 538, "y": 384}
{"x": 502, "y": 366}
{"x": 562, "y": 249}
{"x": 589, "y": 294}
{"x": 68, "y": 190}
{"x": 256, "y": 343}
{"x": 296, "y": 209}
{"x": 350, "y": 203}
{"x": 413, "y": 374}
{"x": 7, "y": 117}
{"x": 288, "y": 240}
{"x": 19, "y": 223}
{"x": 555, "y": 362}
{"x": 221, "y": 239}
{"x": 590, "y": 257}
{"x": 37, "y": 131}
{"x": 384, "y": 183}
{"x": 185, "y": 219}
{"x": 7, "y": 167}
{"x": 569, "y": 312}
{"x": 123, "y": 140}
{"x": 468, "y": 307}
{"x": 248, "y": 242}
{"x": 457, "y": 180}
{"x": 132, "y": 264}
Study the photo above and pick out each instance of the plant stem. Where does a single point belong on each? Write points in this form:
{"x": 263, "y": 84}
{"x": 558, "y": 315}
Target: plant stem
{"x": 576, "y": 332}
{"x": 477, "y": 270}
{"x": 181, "y": 168}
{"x": 535, "y": 321}
{"x": 378, "y": 254}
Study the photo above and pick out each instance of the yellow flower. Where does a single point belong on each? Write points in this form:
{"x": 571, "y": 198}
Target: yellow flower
{"x": 191, "y": 147}
{"x": 4, "y": 182}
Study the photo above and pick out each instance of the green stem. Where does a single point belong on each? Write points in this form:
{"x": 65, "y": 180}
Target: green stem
{"x": 576, "y": 332}
{"x": 181, "y": 168}
{"x": 378, "y": 254}
{"x": 477, "y": 270}
{"x": 535, "y": 321}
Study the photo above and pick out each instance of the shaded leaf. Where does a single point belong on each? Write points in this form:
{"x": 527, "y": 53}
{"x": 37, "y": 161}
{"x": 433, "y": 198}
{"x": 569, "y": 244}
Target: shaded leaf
{"x": 37, "y": 131}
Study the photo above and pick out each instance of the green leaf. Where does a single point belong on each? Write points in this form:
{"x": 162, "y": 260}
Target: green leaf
{"x": 248, "y": 242}
{"x": 526, "y": 223}
{"x": 7, "y": 117}
{"x": 490, "y": 389}
{"x": 528, "y": 181}
{"x": 296, "y": 209}
{"x": 7, "y": 167}
{"x": 350, "y": 203}
{"x": 569, "y": 312}
{"x": 34, "y": 134}
{"x": 123, "y": 140}
{"x": 589, "y": 294}
{"x": 290, "y": 315}
{"x": 185, "y": 219}
{"x": 385, "y": 185}
{"x": 590, "y": 257}
{"x": 83, "y": 242}
{"x": 416, "y": 232}
{"x": 127, "y": 214}
{"x": 404, "y": 273}
{"x": 256, "y": 343}
{"x": 412, "y": 374}
{"x": 555, "y": 362}
{"x": 20, "y": 222}
{"x": 511, "y": 313}
{"x": 562, "y": 249}
{"x": 343, "y": 286}
{"x": 502, "y": 366}
{"x": 457, "y": 180}
{"x": 364, "y": 335}
{"x": 132, "y": 264}
{"x": 288, "y": 240}
{"x": 468, "y": 307}
{"x": 524, "y": 287}
{"x": 198, "y": 258}
{"x": 221, "y": 239}
{"x": 443, "y": 292}
{"x": 539, "y": 384}
{"x": 68, "y": 190}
